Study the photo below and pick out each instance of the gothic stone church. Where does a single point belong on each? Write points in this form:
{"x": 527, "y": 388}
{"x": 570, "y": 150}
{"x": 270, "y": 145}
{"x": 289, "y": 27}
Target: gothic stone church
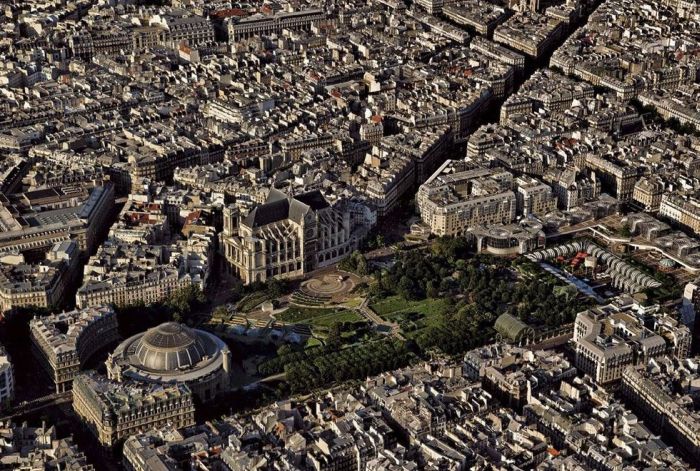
{"x": 285, "y": 237}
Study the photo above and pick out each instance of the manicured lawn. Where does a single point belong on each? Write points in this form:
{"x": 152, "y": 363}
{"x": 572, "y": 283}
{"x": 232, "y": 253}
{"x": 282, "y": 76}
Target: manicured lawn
{"x": 319, "y": 317}
{"x": 393, "y": 307}
{"x": 354, "y": 302}
{"x": 253, "y": 300}
{"x": 412, "y": 316}
{"x": 337, "y": 316}
{"x": 313, "y": 342}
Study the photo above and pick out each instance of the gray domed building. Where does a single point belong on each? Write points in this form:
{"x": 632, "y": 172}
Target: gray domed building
{"x": 174, "y": 353}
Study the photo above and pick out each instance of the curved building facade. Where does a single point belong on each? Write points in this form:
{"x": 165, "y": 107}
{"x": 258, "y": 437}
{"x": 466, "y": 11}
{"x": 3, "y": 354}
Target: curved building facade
{"x": 174, "y": 353}
{"x": 64, "y": 342}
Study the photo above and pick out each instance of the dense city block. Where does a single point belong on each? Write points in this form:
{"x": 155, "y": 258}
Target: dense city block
{"x": 369, "y": 235}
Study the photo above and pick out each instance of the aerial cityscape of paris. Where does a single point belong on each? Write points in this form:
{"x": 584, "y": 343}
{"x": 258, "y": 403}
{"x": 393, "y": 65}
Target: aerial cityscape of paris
{"x": 349, "y": 235}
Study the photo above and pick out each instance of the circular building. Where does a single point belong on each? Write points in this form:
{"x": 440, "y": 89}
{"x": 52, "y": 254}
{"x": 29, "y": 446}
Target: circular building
{"x": 174, "y": 353}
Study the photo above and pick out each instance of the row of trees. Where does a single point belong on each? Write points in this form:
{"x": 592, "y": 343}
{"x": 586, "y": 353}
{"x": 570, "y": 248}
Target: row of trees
{"x": 335, "y": 361}
{"x": 184, "y": 301}
{"x": 327, "y": 365}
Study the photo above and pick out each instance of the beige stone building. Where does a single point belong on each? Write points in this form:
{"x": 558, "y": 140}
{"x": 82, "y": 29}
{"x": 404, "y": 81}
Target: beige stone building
{"x": 48, "y": 225}
{"x": 245, "y": 27}
{"x": 114, "y": 411}
{"x": 531, "y": 33}
{"x": 394, "y": 166}
{"x": 684, "y": 211}
{"x": 64, "y": 342}
{"x": 123, "y": 274}
{"x": 7, "y": 379}
{"x": 617, "y": 177}
{"x": 534, "y": 197}
{"x": 37, "y": 285}
{"x": 648, "y": 192}
{"x": 608, "y": 339}
{"x": 666, "y": 412}
{"x": 457, "y": 197}
{"x": 286, "y": 237}
{"x": 574, "y": 188}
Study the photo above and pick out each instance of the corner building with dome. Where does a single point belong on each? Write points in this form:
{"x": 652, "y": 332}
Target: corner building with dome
{"x": 174, "y": 353}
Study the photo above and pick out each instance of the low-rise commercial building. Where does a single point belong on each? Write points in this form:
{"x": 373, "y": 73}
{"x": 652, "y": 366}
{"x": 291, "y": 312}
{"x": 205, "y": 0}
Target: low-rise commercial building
{"x": 509, "y": 239}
